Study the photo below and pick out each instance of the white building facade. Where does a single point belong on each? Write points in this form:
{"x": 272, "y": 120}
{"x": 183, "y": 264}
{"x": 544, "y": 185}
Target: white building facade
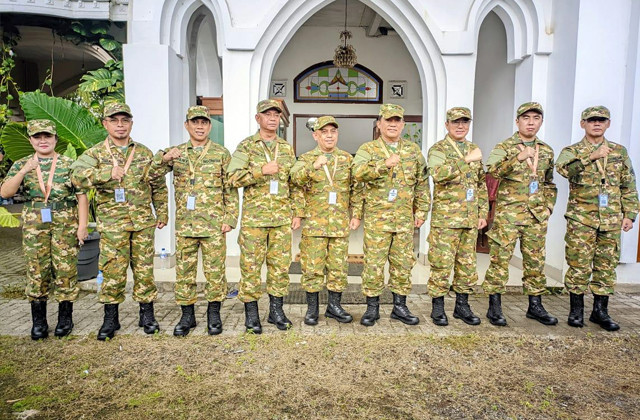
{"x": 488, "y": 55}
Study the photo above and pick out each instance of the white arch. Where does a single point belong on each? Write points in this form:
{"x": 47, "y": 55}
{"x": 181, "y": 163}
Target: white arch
{"x": 176, "y": 15}
{"x": 406, "y": 20}
{"x": 523, "y": 21}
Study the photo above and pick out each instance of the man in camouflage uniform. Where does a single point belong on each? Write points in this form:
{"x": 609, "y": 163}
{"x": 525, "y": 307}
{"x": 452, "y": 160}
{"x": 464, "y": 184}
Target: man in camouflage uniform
{"x": 602, "y": 200}
{"x": 51, "y": 227}
{"x": 206, "y": 209}
{"x": 324, "y": 174}
{"x": 524, "y": 166}
{"x": 118, "y": 169}
{"x": 397, "y": 196}
{"x": 459, "y": 209}
{"x": 261, "y": 164}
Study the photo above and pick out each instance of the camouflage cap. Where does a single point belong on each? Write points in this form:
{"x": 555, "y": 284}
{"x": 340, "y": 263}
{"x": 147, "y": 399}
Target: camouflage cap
{"x": 596, "y": 111}
{"x": 458, "y": 112}
{"x": 268, "y": 104}
{"x": 323, "y": 121}
{"x": 391, "y": 110}
{"x": 41, "y": 126}
{"x": 116, "y": 108}
{"x": 529, "y": 106}
{"x": 198, "y": 111}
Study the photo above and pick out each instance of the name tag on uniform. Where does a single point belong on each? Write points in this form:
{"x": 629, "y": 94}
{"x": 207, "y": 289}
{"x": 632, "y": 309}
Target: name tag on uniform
{"x": 603, "y": 200}
{"x": 273, "y": 186}
{"x": 470, "y": 194}
{"x": 333, "y": 198}
{"x": 191, "y": 202}
{"x": 393, "y": 194}
{"x": 533, "y": 187}
{"x": 45, "y": 215}
{"x": 119, "y": 194}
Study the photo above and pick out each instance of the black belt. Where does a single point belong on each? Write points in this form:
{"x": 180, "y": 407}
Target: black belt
{"x": 53, "y": 205}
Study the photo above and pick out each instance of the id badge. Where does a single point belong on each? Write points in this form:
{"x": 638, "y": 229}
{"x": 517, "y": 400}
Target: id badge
{"x": 603, "y": 200}
{"x": 533, "y": 187}
{"x": 119, "y": 193}
{"x": 470, "y": 194}
{"x": 273, "y": 187}
{"x": 393, "y": 194}
{"x": 45, "y": 215}
{"x": 333, "y": 198}
{"x": 191, "y": 202}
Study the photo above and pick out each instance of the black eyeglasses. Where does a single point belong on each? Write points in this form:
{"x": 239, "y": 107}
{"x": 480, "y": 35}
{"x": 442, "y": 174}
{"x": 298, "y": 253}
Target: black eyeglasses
{"x": 597, "y": 119}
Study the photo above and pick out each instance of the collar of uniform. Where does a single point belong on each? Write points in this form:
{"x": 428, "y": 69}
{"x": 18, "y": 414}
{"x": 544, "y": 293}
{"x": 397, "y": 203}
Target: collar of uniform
{"x": 400, "y": 143}
{"x": 455, "y": 141}
{"x": 190, "y": 145}
{"x": 518, "y": 140}
{"x": 256, "y": 138}
{"x": 112, "y": 145}
{"x": 590, "y": 146}
{"x": 317, "y": 151}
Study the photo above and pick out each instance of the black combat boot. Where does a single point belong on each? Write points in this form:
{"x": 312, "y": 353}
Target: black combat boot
{"x": 372, "y": 314}
{"x": 276, "y": 313}
{"x": 401, "y": 312}
{"x": 335, "y": 310}
{"x": 148, "y": 319}
{"x": 111, "y": 323}
{"x": 252, "y": 318}
{"x": 214, "y": 323}
{"x": 494, "y": 313}
{"x": 600, "y": 314}
{"x": 576, "y": 311}
{"x": 65, "y": 319}
{"x": 187, "y": 321}
{"x": 40, "y": 327}
{"x": 536, "y": 311}
{"x": 311, "y": 317}
{"x": 463, "y": 310}
{"x": 437, "y": 312}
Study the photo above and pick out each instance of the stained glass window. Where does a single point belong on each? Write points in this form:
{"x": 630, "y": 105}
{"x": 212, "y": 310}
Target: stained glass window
{"x": 323, "y": 82}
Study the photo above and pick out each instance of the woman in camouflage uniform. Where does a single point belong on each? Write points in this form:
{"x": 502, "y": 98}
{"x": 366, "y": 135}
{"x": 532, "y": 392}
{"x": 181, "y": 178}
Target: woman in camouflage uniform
{"x": 50, "y": 220}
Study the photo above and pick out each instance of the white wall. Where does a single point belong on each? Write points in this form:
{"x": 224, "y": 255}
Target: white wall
{"x": 386, "y": 56}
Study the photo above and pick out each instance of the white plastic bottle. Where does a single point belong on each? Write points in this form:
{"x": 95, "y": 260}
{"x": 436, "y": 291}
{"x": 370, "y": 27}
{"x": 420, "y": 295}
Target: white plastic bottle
{"x": 99, "y": 280}
{"x": 164, "y": 259}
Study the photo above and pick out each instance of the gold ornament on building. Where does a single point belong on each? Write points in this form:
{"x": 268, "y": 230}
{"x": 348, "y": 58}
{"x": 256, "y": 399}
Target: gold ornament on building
{"x": 345, "y": 53}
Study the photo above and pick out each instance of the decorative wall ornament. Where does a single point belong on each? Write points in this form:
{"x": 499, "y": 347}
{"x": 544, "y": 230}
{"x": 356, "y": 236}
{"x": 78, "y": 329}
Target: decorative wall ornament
{"x": 324, "y": 82}
{"x": 278, "y": 88}
{"x": 397, "y": 89}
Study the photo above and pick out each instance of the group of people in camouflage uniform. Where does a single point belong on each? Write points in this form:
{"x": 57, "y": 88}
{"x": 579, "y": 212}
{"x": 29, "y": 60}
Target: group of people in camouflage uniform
{"x": 328, "y": 192}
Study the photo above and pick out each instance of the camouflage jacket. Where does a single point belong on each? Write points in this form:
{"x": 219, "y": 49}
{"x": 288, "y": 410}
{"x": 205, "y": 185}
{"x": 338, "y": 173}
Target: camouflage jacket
{"x": 259, "y": 207}
{"x": 93, "y": 169}
{"x": 410, "y": 178}
{"x": 216, "y": 203}
{"x": 514, "y": 204}
{"x": 585, "y": 181}
{"x": 452, "y": 178}
{"x": 322, "y": 218}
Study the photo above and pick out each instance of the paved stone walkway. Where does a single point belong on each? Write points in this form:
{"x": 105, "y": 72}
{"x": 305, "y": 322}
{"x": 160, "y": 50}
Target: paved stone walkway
{"x": 15, "y": 317}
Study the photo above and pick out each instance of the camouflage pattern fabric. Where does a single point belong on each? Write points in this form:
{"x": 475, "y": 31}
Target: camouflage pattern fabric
{"x": 585, "y": 184}
{"x": 452, "y": 178}
{"x": 514, "y": 204}
{"x": 380, "y": 246}
{"x": 452, "y": 249}
{"x": 391, "y": 110}
{"x": 590, "y": 252}
{"x": 214, "y": 252}
{"x": 324, "y": 121}
{"x": 320, "y": 217}
{"x": 259, "y": 207}
{"x": 458, "y": 112}
{"x": 116, "y": 108}
{"x": 93, "y": 169}
{"x": 595, "y": 111}
{"x": 50, "y": 249}
{"x": 318, "y": 253}
{"x": 502, "y": 238}
{"x": 117, "y": 251}
{"x": 216, "y": 201}
{"x": 40, "y": 126}
{"x": 256, "y": 244}
{"x": 268, "y": 104}
{"x": 198, "y": 111}
{"x": 409, "y": 177}
{"x": 529, "y": 106}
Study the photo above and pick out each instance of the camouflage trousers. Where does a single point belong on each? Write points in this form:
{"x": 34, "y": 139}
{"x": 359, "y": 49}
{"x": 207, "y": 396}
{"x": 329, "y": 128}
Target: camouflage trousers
{"x": 214, "y": 252}
{"x": 318, "y": 253}
{"x": 502, "y": 241}
{"x": 591, "y": 254}
{"x": 397, "y": 248}
{"x": 256, "y": 244}
{"x": 452, "y": 249}
{"x": 51, "y": 253}
{"x": 118, "y": 250}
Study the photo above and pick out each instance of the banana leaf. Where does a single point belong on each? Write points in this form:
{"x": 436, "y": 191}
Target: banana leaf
{"x": 96, "y": 80}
